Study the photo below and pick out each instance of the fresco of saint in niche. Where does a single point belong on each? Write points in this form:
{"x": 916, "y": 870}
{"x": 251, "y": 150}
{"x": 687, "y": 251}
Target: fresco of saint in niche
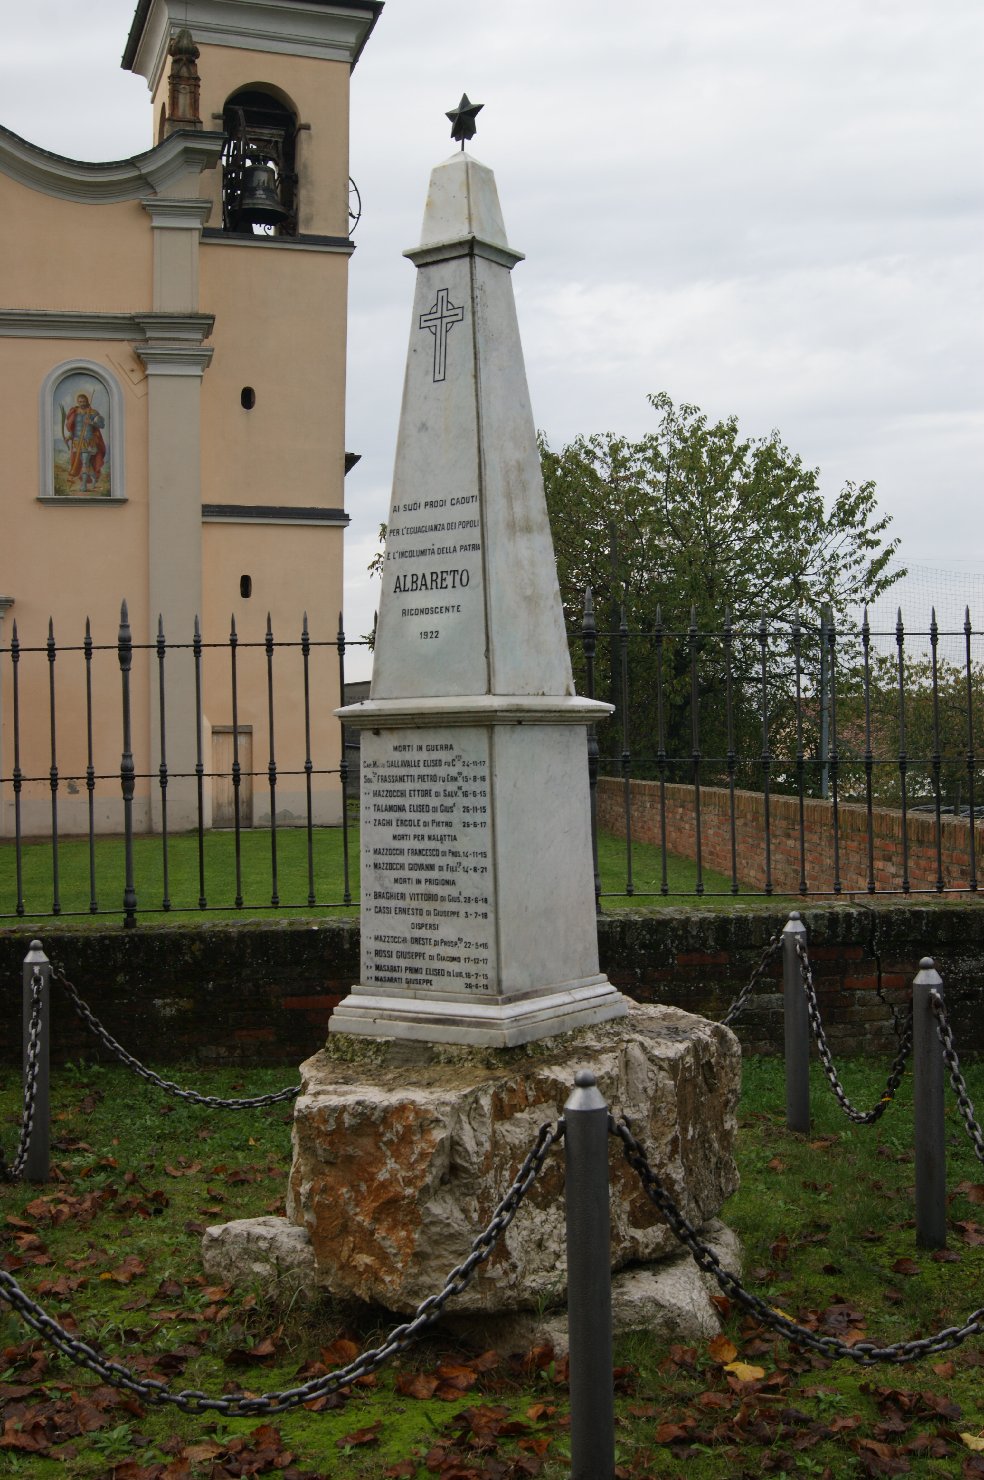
{"x": 81, "y": 461}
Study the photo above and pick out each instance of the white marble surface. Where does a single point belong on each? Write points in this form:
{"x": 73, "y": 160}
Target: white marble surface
{"x": 428, "y": 872}
{"x": 478, "y": 922}
{"x": 470, "y": 603}
{"x": 462, "y": 201}
{"x": 473, "y": 892}
{"x": 465, "y": 709}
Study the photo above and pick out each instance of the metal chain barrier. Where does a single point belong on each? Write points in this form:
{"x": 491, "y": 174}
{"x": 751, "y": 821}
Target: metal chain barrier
{"x": 192, "y": 1400}
{"x": 771, "y": 951}
{"x": 860, "y": 1117}
{"x": 106, "y": 1038}
{"x": 13, "y": 1171}
{"x": 864, "y": 1353}
{"x": 956, "y": 1077}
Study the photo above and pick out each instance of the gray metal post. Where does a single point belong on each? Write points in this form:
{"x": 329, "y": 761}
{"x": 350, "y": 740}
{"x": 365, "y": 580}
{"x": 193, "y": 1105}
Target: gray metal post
{"x": 37, "y": 1163}
{"x": 796, "y": 1028}
{"x": 928, "y": 1103}
{"x": 589, "y": 1282}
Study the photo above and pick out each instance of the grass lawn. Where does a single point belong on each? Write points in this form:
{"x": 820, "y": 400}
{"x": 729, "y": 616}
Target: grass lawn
{"x": 293, "y": 880}
{"x": 112, "y": 1250}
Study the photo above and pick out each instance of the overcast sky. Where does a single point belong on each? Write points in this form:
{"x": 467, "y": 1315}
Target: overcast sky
{"x": 764, "y": 208}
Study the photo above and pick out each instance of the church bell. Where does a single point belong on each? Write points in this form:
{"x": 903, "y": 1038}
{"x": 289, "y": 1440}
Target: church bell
{"x": 260, "y": 203}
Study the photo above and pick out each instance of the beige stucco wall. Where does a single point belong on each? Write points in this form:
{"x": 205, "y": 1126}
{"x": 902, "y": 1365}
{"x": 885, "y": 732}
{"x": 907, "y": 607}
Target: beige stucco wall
{"x": 280, "y": 328}
{"x": 67, "y": 560}
{"x": 280, "y": 321}
{"x": 293, "y": 569}
{"x": 95, "y": 257}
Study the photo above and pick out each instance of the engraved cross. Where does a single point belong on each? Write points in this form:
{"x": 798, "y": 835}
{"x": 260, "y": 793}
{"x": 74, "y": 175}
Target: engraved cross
{"x": 439, "y": 320}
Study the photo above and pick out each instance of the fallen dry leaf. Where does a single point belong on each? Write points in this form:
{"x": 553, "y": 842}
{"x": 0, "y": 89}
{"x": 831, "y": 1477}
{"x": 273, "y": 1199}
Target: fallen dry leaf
{"x": 720, "y": 1349}
{"x": 744, "y": 1371}
{"x": 416, "y": 1385}
{"x": 125, "y": 1272}
{"x": 369, "y": 1435}
{"x": 671, "y": 1433}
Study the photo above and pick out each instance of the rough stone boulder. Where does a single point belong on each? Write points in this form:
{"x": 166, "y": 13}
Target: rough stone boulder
{"x": 267, "y": 1252}
{"x": 402, "y": 1150}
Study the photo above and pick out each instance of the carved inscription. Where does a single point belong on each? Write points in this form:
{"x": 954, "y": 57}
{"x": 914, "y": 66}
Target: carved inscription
{"x": 440, "y": 319}
{"x": 434, "y": 561}
{"x": 427, "y": 902}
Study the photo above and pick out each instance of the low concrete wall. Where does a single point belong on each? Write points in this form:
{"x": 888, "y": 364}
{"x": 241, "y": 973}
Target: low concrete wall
{"x": 784, "y": 831}
{"x": 263, "y": 994}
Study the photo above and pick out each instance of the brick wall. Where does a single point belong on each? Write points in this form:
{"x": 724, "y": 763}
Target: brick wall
{"x": 220, "y": 994}
{"x": 864, "y": 957}
{"x": 264, "y": 994}
{"x": 784, "y": 828}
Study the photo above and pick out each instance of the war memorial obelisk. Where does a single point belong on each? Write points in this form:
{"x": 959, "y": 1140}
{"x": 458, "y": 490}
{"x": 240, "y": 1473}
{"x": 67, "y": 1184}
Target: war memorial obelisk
{"x": 479, "y": 992}
{"x": 478, "y": 919}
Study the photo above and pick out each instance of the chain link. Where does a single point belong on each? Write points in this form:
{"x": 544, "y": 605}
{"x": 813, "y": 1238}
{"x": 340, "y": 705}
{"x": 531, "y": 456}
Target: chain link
{"x": 768, "y": 955}
{"x": 956, "y": 1077}
{"x": 276, "y": 1097}
{"x": 865, "y": 1353}
{"x": 15, "y": 1169}
{"x": 860, "y": 1117}
{"x": 190, "y": 1400}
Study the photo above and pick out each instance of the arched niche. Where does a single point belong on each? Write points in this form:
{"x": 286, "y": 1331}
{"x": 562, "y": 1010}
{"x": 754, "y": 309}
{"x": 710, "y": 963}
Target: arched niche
{"x": 259, "y": 161}
{"x": 81, "y": 434}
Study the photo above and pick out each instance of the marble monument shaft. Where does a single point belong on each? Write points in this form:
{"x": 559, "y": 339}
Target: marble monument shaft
{"x": 477, "y": 896}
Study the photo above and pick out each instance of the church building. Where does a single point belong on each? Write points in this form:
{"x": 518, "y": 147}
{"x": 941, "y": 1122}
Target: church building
{"x": 172, "y": 361}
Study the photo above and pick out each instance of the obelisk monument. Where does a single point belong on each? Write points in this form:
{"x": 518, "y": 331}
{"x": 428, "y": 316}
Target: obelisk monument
{"x": 478, "y": 919}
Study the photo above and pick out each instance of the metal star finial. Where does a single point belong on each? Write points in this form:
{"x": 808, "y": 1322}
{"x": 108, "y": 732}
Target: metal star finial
{"x": 462, "y": 118}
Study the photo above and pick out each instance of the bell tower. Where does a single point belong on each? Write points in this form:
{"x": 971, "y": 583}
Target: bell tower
{"x": 271, "y": 244}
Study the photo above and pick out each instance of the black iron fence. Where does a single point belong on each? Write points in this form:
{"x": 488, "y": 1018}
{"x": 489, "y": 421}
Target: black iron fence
{"x": 788, "y": 756}
{"x": 121, "y": 740}
{"x": 779, "y": 758}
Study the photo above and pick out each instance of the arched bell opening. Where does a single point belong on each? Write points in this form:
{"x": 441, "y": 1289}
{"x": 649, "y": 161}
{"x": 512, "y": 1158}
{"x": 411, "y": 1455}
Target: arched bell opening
{"x": 259, "y": 178}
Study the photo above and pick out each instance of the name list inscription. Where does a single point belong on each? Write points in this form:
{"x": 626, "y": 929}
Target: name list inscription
{"x": 427, "y": 902}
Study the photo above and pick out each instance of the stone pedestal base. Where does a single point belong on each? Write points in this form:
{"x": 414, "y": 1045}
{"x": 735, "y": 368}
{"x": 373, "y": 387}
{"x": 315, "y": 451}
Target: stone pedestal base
{"x": 670, "y": 1299}
{"x": 495, "y": 1023}
{"x": 402, "y": 1151}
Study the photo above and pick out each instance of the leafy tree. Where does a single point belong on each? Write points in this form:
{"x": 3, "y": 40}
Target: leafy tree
{"x": 933, "y": 717}
{"x": 694, "y": 523}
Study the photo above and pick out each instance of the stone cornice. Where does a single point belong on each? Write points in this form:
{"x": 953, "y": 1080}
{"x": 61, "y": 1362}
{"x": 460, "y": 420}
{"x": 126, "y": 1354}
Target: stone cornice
{"x": 467, "y": 246}
{"x": 331, "y": 30}
{"x": 173, "y": 359}
{"x": 214, "y": 236}
{"x": 115, "y": 180}
{"x": 169, "y": 213}
{"x": 311, "y": 515}
{"x": 45, "y": 323}
{"x": 187, "y": 328}
{"x": 482, "y": 709}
